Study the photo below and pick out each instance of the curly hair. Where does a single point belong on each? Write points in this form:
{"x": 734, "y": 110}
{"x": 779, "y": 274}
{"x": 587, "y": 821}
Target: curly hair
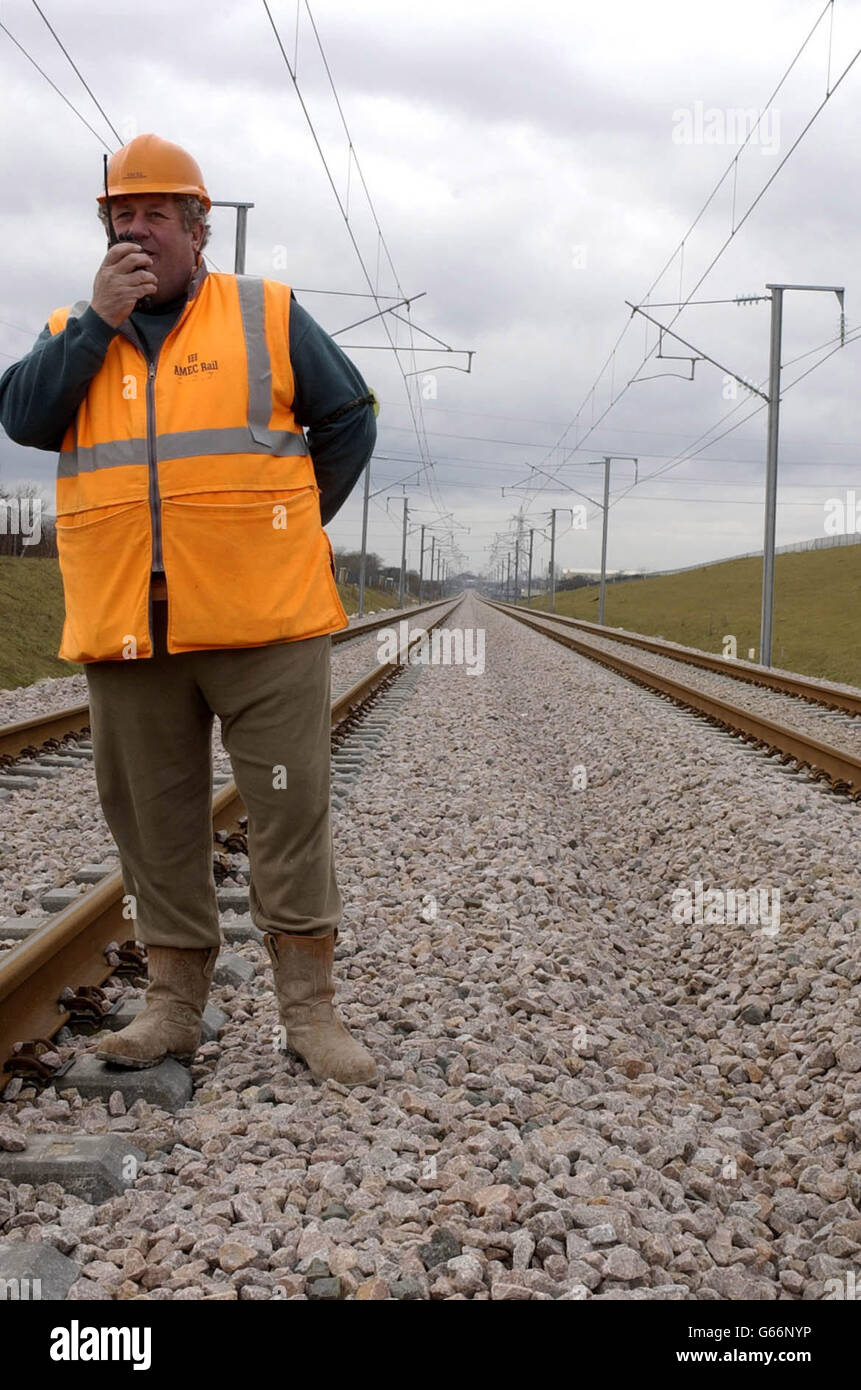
{"x": 191, "y": 209}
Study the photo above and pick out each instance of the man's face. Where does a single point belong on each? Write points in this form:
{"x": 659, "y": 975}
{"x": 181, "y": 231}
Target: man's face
{"x": 154, "y": 221}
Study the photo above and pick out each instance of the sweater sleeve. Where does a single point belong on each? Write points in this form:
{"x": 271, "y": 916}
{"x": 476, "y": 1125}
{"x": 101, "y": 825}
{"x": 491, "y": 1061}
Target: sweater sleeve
{"x": 324, "y": 380}
{"x": 40, "y": 394}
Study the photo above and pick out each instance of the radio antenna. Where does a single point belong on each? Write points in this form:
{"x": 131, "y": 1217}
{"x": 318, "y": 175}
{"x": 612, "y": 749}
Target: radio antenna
{"x": 112, "y": 236}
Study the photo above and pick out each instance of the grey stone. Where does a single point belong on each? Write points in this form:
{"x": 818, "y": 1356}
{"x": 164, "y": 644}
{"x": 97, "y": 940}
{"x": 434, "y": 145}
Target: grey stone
{"x": 406, "y": 1289}
{"x": 336, "y": 1211}
{"x": 822, "y": 1058}
{"x": 849, "y": 1057}
{"x": 243, "y": 929}
{"x": 35, "y": 1272}
{"x": 19, "y": 928}
{"x": 328, "y": 1288}
{"x": 523, "y": 1248}
{"x": 86, "y": 1291}
{"x": 603, "y": 1234}
{"x": 735, "y": 1283}
{"x": 584, "y": 1216}
{"x": 232, "y": 969}
{"x": 11, "y": 1140}
{"x": 168, "y": 1085}
{"x": 624, "y": 1263}
{"x": 90, "y": 1166}
{"x": 442, "y": 1247}
{"x": 57, "y": 899}
{"x": 825, "y": 1267}
{"x": 94, "y": 873}
{"x": 753, "y": 1013}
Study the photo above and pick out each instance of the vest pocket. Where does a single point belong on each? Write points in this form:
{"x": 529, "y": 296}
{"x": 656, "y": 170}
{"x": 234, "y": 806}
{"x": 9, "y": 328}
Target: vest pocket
{"x": 247, "y": 573}
{"x": 105, "y": 559}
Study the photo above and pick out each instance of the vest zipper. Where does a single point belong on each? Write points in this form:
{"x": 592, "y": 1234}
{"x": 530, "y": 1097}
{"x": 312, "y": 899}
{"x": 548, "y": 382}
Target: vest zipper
{"x": 154, "y": 497}
{"x": 157, "y": 562}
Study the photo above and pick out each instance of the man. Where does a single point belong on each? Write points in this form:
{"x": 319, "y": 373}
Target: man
{"x": 198, "y": 581}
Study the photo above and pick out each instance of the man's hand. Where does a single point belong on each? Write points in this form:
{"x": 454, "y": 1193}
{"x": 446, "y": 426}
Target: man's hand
{"x": 121, "y": 280}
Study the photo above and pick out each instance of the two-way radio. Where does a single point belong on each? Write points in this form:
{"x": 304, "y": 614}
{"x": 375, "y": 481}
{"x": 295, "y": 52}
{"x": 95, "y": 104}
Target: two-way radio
{"x": 145, "y": 300}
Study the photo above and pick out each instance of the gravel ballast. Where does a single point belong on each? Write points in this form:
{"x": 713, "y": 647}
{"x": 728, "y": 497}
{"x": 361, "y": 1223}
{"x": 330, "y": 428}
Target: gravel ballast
{"x": 583, "y": 1094}
{"x": 831, "y": 726}
{"x": 50, "y": 831}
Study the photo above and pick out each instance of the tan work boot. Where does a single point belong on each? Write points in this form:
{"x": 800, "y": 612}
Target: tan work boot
{"x": 169, "y": 1024}
{"x": 302, "y": 966}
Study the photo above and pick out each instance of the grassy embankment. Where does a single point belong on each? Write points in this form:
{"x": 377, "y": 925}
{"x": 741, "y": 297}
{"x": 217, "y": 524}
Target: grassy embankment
{"x": 375, "y": 599}
{"x": 31, "y": 618}
{"x": 817, "y": 609}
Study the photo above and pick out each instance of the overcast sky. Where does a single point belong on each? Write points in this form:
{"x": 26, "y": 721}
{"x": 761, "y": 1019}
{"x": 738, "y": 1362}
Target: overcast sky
{"x": 532, "y": 166}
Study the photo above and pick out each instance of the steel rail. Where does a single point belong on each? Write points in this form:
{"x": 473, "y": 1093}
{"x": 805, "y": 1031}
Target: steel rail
{"x": 29, "y": 734}
{"x": 69, "y": 950}
{"x": 32, "y": 733}
{"x": 841, "y": 768}
{"x": 802, "y": 686}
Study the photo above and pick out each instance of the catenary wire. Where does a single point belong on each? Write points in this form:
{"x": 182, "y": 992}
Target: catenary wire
{"x": 77, "y": 70}
{"x": 422, "y": 442}
{"x": 70, "y": 104}
{"x": 736, "y": 228}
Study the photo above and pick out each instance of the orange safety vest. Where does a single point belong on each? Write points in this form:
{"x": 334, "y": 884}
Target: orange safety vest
{"x": 195, "y": 466}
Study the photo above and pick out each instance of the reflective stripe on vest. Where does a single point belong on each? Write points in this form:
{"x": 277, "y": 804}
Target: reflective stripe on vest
{"x": 190, "y": 444}
{"x": 256, "y": 354}
{"x": 204, "y": 453}
{"x": 255, "y": 437}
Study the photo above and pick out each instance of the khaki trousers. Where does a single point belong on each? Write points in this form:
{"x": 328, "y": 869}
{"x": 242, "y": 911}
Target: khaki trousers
{"x": 151, "y": 724}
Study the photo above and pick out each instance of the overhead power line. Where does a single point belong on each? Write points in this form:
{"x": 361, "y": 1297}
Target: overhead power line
{"x": 70, "y": 104}
{"x": 77, "y": 70}
{"x": 415, "y": 410}
{"x": 679, "y": 251}
{"x": 31, "y": 332}
{"x": 674, "y": 463}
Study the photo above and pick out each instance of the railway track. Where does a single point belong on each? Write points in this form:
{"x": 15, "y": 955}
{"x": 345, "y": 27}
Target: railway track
{"x": 840, "y": 766}
{"x": 27, "y": 736}
{"x": 589, "y": 1090}
{"x": 825, "y": 693}
{"x": 80, "y": 947}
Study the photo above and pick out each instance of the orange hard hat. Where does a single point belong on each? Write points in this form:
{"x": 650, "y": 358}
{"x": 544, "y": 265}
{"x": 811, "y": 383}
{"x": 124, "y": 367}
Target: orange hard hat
{"x": 149, "y": 164}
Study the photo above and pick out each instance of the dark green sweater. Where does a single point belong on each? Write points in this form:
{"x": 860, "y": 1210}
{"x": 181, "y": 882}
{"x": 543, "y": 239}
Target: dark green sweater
{"x": 40, "y": 395}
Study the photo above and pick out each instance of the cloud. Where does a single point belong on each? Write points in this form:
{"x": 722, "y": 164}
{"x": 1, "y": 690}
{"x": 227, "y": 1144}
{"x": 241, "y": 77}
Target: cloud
{"x": 524, "y": 170}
